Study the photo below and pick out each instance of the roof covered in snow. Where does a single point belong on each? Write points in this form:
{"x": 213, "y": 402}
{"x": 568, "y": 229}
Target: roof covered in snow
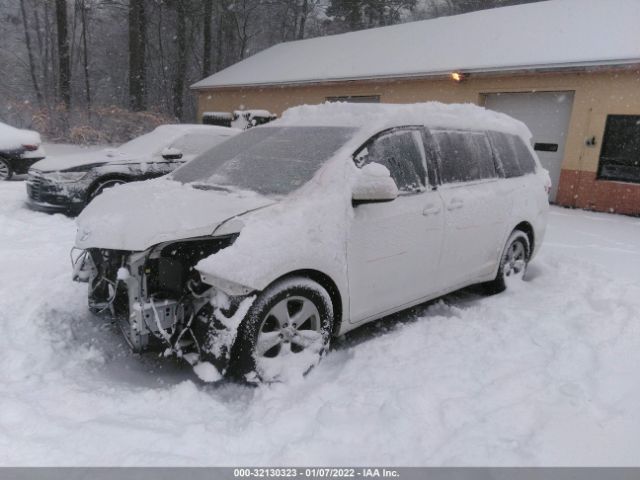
{"x": 374, "y": 116}
{"x": 11, "y": 137}
{"x": 185, "y": 128}
{"x": 551, "y": 34}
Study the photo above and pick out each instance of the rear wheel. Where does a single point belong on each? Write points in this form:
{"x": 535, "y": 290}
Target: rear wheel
{"x": 6, "y": 172}
{"x": 513, "y": 263}
{"x": 285, "y": 333}
{"x": 104, "y": 185}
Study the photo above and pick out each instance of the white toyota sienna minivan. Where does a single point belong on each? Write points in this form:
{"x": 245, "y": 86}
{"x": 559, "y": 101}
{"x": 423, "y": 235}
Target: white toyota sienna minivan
{"x": 248, "y": 259}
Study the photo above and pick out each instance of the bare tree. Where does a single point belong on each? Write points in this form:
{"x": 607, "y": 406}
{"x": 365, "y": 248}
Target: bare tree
{"x": 81, "y": 5}
{"x": 64, "y": 64}
{"x": 137, "y": 42}
{"x": 181, "y": 66}
{"x": 303, "y": 19}
{"x": 206, "y": 37}
{"x": 243, "y": 15}
{"x": 32, "y": 65}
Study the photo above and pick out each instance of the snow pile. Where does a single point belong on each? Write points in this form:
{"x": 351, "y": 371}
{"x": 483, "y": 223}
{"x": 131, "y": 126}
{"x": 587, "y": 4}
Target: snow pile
{"x": 14, "y": 138}
{"x": 207, "y": 372}
{"x": 373, "y": 117}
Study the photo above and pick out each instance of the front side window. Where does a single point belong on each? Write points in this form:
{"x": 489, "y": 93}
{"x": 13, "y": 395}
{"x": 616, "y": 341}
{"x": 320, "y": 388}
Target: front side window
{"x": 463, "y": 156}
{"x": 514, "y": 157}
{"x": 620, "y": 154}
{"x": 400, "y": 152}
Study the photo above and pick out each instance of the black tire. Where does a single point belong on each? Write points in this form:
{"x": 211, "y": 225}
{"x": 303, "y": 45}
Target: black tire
{"x": 518, "y": 244}
{"x": 6, "y": 172}
{"x": 249, "y": 364}
{"x": 103, "y": 185}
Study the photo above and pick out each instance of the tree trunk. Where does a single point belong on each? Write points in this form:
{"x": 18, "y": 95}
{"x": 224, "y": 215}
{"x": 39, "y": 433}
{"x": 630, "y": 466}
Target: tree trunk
{"x": 137, "y": 26}
{"x": 32, "y": 66}
{"x": 64, "y": 65}
{"x": 206, "y": 35}
{"x": 219, "y": 33}
{"x": 181, "y": 64}
{"x": 303, "y": 18}
{"x": 85, "y": 56}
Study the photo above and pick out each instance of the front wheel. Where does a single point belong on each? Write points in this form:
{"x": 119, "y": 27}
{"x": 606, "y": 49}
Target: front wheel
{"x": 285, "y": 333}
{"x": 513, "y": 263}
{"x": 6, "y": 172}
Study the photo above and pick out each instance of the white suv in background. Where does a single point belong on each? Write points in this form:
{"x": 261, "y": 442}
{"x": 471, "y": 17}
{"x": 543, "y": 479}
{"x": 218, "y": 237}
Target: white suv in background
{"x": 247, "y": 260}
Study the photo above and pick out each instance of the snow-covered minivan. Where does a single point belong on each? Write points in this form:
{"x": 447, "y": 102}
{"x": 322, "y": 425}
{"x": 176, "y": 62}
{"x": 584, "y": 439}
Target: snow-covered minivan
{"x": 247, "y": 260}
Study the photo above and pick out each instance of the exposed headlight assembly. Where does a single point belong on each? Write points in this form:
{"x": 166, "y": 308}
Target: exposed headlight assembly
{"x": 65, "y": 177}
{"x": 73, "y": 174}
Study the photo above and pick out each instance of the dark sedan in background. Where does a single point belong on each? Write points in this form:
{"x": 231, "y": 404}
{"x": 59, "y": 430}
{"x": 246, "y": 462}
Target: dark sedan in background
{"x": 66, "y": 184}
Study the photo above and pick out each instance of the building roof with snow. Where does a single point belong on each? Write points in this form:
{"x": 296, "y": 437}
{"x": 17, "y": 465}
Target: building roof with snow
{"x": 548, "y": 35}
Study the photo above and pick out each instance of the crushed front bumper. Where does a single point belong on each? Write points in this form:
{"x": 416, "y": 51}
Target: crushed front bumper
{"x": 197, "y": 326}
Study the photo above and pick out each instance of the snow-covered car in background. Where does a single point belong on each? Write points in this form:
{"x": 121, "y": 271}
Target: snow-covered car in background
{"x": 252, "y": 256}
{"x": 242, "y": 119}
{"x": 19, "y": 149}
{"x": 67, "y": 184}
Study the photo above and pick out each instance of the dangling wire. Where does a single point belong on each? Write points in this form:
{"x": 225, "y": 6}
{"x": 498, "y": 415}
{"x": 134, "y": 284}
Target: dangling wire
{"x": 163, "y": 332}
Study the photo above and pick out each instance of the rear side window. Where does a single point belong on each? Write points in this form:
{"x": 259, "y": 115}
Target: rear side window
{"x": 400, "y": 151}
{"x": 463, "y": 156}
{"x": 514, "y": 158}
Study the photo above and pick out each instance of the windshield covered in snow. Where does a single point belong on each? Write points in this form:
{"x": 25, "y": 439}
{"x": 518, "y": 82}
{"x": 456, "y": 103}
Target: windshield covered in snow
{"x": 272, "y": 161}
{"x": 146, "y": 144}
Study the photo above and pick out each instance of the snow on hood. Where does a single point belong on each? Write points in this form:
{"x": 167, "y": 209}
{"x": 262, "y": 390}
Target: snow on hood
{"x": 139, "y": 215}
{"x": 12, "y": 138}
{"x": 58, "y": 163}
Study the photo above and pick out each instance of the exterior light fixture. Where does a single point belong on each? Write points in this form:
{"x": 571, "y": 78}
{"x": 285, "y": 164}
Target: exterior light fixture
{"x": 458, "y": 76}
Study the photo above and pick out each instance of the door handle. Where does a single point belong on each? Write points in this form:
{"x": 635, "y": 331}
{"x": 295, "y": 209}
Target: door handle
{"x": 455, "y": 204}
{"x": 431, "y": 209}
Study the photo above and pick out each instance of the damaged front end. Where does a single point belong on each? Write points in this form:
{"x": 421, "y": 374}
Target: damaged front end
{"x": 159, "y": 301}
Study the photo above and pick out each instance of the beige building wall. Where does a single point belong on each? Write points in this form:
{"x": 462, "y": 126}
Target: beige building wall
{"x": 597, "y": 94}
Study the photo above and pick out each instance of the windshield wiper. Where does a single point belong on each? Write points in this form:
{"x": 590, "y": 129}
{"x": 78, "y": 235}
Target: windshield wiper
{"x": 208, "y": 186}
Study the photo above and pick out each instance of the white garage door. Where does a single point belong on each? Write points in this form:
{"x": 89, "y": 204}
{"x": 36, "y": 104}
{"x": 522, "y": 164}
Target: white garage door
{"x": 547, "y": 115}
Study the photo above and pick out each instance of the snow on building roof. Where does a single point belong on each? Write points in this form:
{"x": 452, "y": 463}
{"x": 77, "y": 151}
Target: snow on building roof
{"x": 544, "y": 35}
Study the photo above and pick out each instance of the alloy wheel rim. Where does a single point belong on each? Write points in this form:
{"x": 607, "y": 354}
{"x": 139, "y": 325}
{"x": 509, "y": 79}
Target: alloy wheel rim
{"x": 4, "y": 171}
{"x": 515, "y": 259}
{"x": 291, "y": 328}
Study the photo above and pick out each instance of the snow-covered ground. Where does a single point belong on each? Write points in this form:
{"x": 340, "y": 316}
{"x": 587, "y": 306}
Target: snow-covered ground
{"x": 544, "y": 375}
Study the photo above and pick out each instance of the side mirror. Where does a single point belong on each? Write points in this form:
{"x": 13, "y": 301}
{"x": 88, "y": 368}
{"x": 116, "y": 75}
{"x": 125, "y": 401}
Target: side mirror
{"x": 171, "y": 153}
{"x": 374, "y": 184}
